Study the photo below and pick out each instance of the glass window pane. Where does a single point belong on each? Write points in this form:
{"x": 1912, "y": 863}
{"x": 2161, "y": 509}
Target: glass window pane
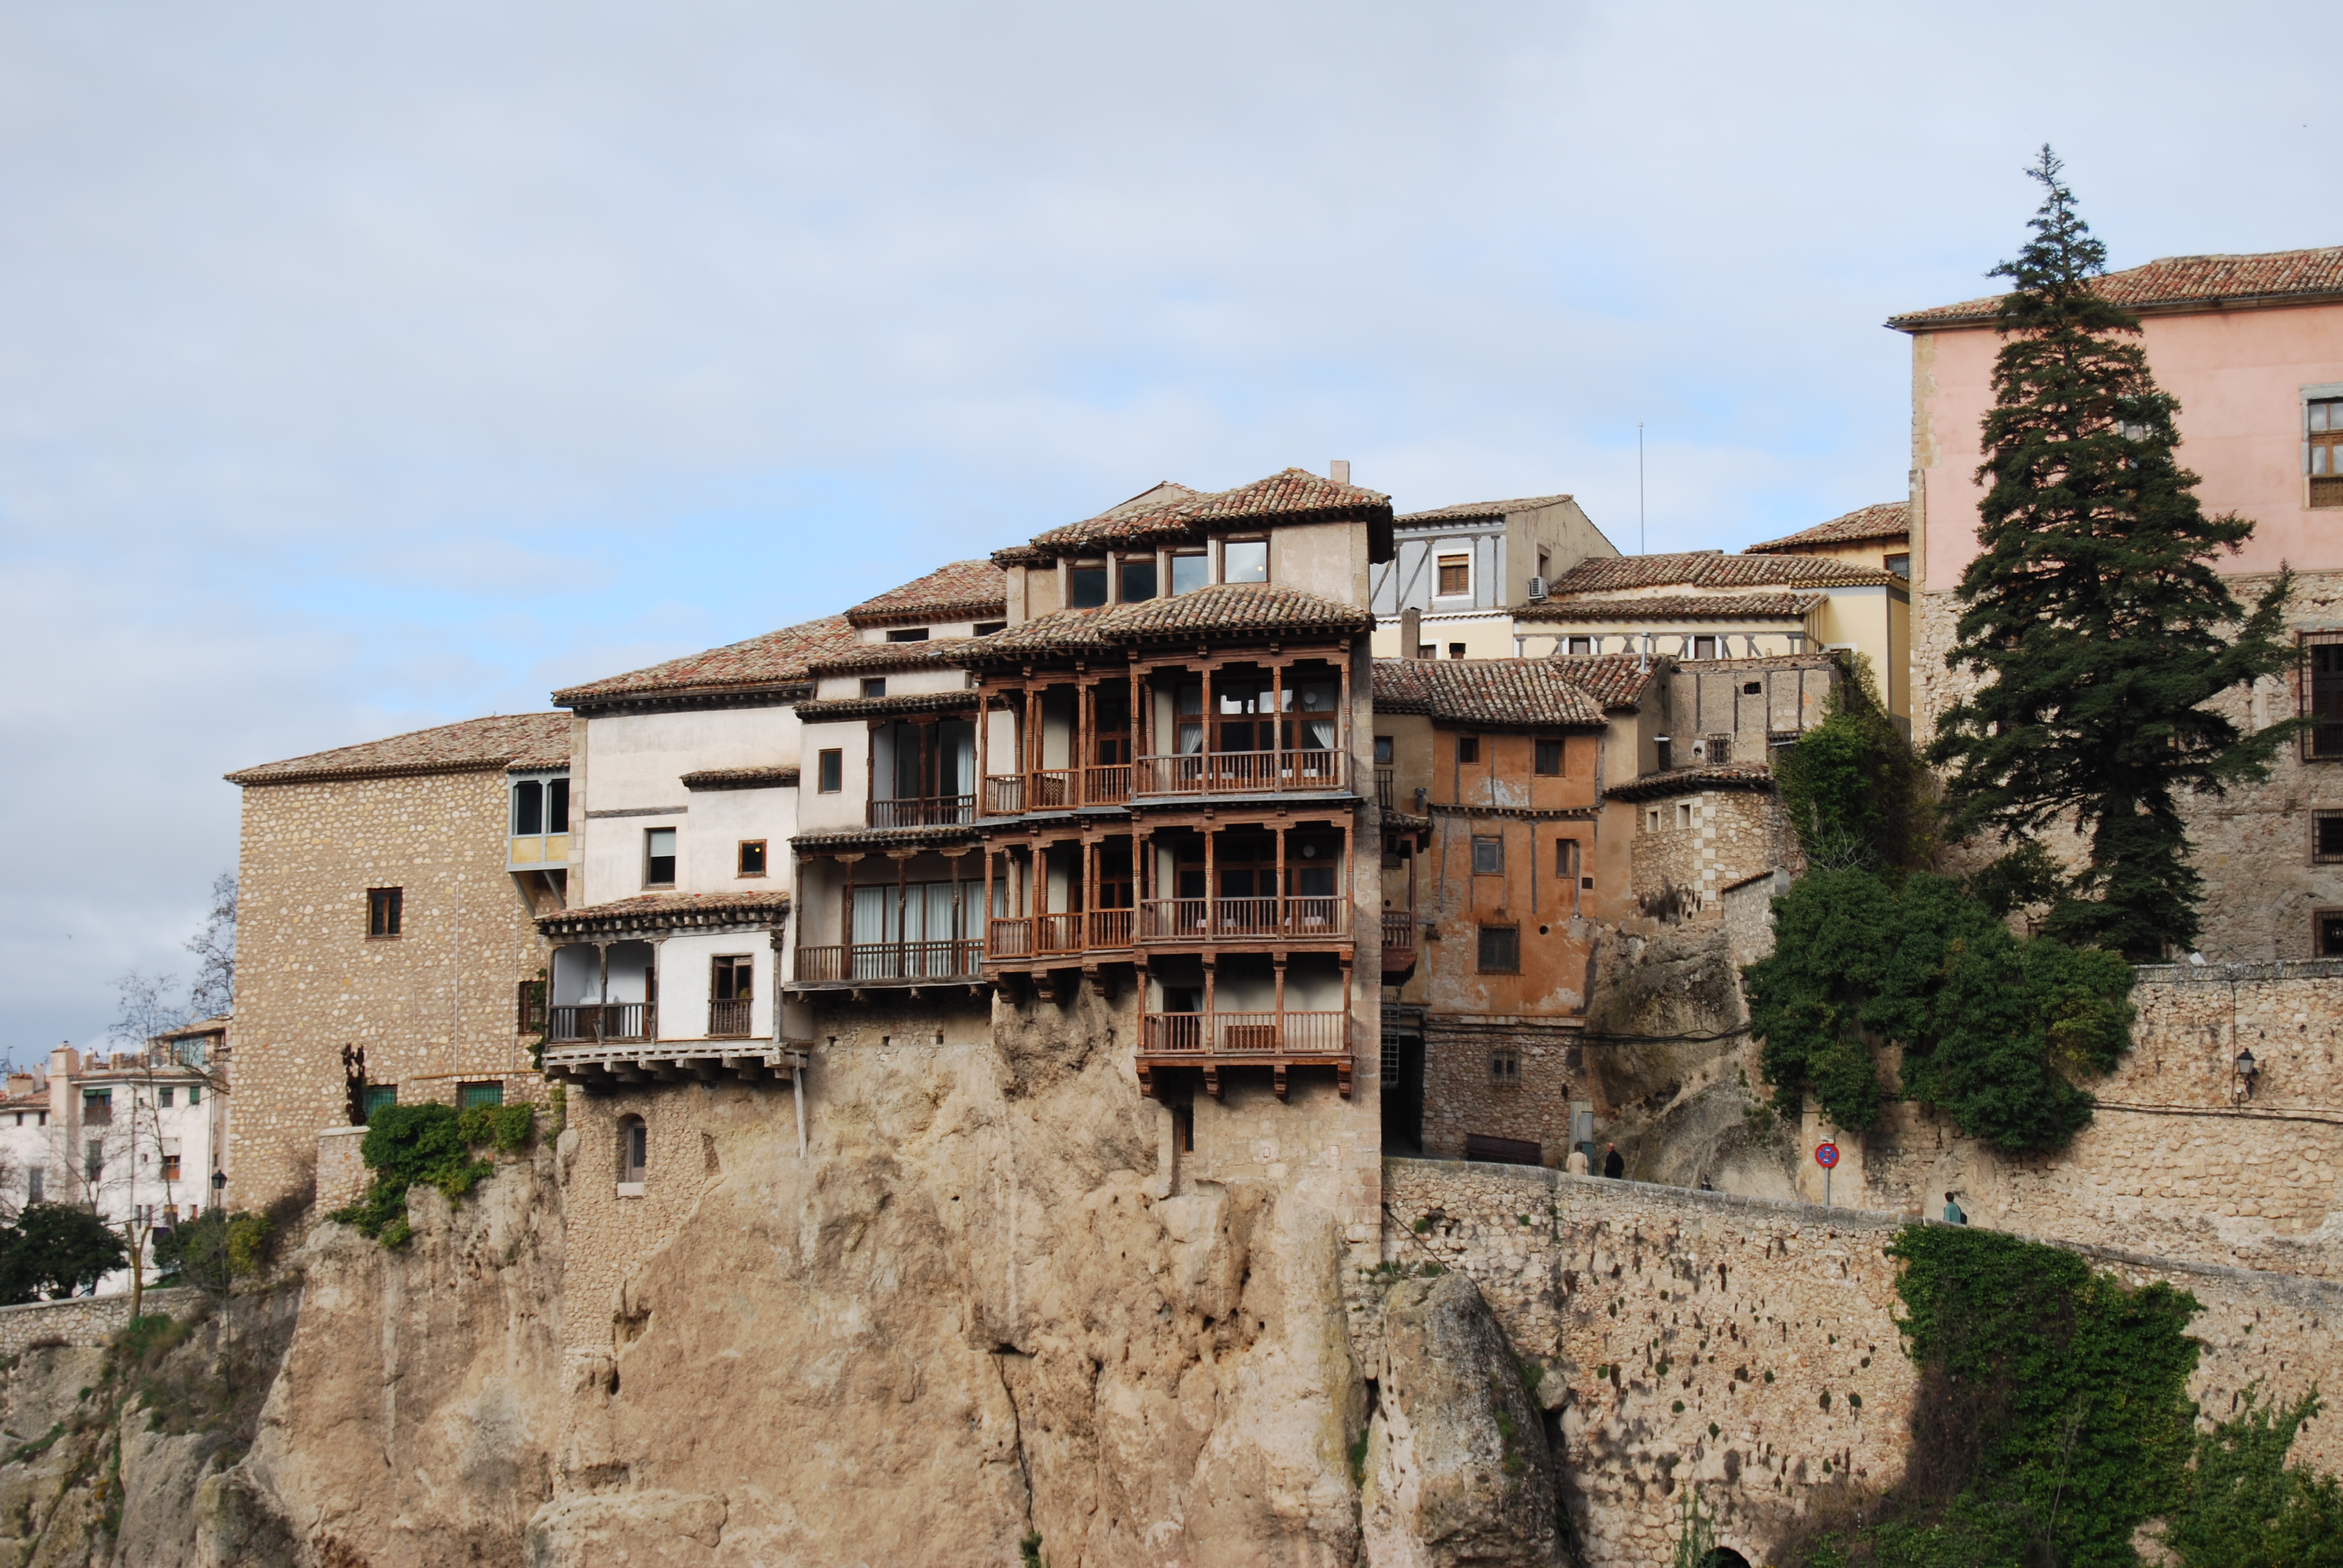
{"x": 1245, "y": 562}
{"x": 1190, "y": 572}
{"x": 557, "y": 806}
{"x": 1086, "y": 587}
{"x": 1137, "y": 581}
{"x": 2319, "y": 415}
{"x": 528, "y": 807}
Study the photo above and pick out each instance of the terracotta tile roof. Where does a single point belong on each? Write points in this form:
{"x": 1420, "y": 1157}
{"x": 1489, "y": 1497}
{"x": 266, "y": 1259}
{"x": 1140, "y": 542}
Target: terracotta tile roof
{"x": 1711, "y": 570}
{"x": 880, "y": 839}
{"x": 1466, "y": 509}
{"x": 778, "y": 658}
{"x": 1704, "y": 607}
{"x": 741, "y": 779}
{"x": 1885, "y": 520}
{"x": 476, "y": 745}
{"x": 2180, "y": 283}
{"x": 964, "y": 591}
{"x": 1224, "y": 611}
{"x": 1692, "y": 781}
{"x": 665, "y": 909}
{"x": 1616, "y": 679}
{"x": 887, "y": 706}
{"x": 1488, "y": 693}
{"x": 937, "y": 651}
{"x": 1290, "y": 495}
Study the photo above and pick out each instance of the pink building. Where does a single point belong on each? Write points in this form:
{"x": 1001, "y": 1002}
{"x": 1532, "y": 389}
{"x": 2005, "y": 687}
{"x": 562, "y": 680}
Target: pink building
{"x": 2252, "y": 347}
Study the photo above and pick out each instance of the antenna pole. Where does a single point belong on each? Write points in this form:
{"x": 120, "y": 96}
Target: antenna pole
{"x": 1640, "y": 547}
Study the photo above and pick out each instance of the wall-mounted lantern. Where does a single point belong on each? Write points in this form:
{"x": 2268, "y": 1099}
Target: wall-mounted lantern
{"x": 2243, "y": 1074}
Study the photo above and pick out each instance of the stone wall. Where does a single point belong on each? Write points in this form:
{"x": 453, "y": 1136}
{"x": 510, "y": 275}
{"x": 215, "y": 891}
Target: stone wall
{"x": 83, "y": 1321}
{"x": 436, "y": 1006}
{"x": 1733, "y": 834}
{"x": 1750, "y": 1348}
{"x": 1462, "y": 1094}
{"x": 341, "y": 1169}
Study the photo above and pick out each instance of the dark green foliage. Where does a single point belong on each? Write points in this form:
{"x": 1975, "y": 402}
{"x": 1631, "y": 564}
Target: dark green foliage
{"x": 2093, "y": 609}
{"x": 55, "y": 1249}
{"x": 2241, "y": 1507}
{"x": 1854, "y": 790}
{"x": 214, "y": 1252}
{"x": 434, "y": 1144}
{"x": 1994, "y": 1028}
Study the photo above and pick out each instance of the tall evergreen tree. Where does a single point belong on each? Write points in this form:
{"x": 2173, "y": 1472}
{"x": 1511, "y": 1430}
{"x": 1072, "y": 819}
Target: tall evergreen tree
{"x": 2093, "y": 608}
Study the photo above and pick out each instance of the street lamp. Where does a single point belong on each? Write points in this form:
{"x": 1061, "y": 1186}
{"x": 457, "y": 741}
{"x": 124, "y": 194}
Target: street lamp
{"x": 2244, "y": 1072}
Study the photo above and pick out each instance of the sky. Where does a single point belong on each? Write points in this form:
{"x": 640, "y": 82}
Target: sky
{"x": 362, "y": 370}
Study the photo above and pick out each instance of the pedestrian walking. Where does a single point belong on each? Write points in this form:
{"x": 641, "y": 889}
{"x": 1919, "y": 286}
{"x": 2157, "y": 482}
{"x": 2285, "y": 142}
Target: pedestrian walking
{"x": 1576, "y": 1164}
{"x": 1953, "y": 1215}
{"x": 1614, "y": 1164}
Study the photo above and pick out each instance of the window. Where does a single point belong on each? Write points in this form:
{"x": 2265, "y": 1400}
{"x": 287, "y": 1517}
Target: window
{"x": 830, "y": 772}
{"x": 1549, "y": 758}
{"x": 2326, "y": 444}
{"x": 732, "y": 984}
{"x": 1455, "y": 577}
{"x": 1703, "y": 648}
{"x": 1683, "y": 814}
{"x": 1900, "y": 565}
{"x": 1384, "y": 750}
{"x": 2330, "y": 933}
{"x": 1488, "y": 855}
{"x": 383, "y": 911}
{"x": 557, "y": 806}
{"x": 1085, "y": 586}
{"x": 1455, "y": 650}
{"x": 1543, "y": 560}
{"x": 1506, "y": 1068}
{"x": 2322, "y": 696}
{"x": 2326, "y": 837}
{"x": 97, "y": 1107}
{"x": 1582, "y": 645}
{"x": 634, "y": 1150}
{"x": 1183, "y": 1129}
{"x": 1244, "y": 561}
{"x": 170, "y": 1160}
{"x": 1137, "y": 582}
{"x": 37, "y": 1185}
{"x": 195, "y": 1094}
{"x": 1752, "y": 688}
{"x": 528, "y": 808}
{"x": 1468, "y": 749}
{"x": 874, "y": 686}
{"x": 471, "y": 1095}
{"x": 1566, "y": 858}
{"x": 163, "y": 1096}
{"x": 987, "y": 627}
{"x": 1427, "y": 650}
{"x": 752, "y": 857}
{"x": 1190, "y": 570}
{"x": 1501, "y": 949}
{"x": 528, "y": 1012}
{"x": 659, "y": 857}
{"x": 908, "y": 634}
{"x": 378, "y": 1095}
{"x": 1652, "y": 820}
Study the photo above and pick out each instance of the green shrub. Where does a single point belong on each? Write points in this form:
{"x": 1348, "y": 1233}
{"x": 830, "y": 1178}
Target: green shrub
{"x": 2241, "y": 1506}
{"x": 434, "y": 1145}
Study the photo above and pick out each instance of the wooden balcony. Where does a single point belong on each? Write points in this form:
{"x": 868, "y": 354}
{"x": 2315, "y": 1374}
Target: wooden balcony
{"x": 1214, "y": 1041}
{"x": 1243, "y": 919}
{"x": 1244, "y": 773}
{"x": 925, "y": 811}
{"x": 601, "y": 1021}
{"x": 1056, "y": 790}
{"x": 1399, "y": 946}
{"x": 888, "y": 963}
{"x": 728, "y": 1019}
{"x": 1058, "y": 936}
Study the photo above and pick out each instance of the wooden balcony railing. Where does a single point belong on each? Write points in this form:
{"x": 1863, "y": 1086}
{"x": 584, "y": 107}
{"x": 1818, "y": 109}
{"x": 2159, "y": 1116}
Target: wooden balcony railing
{"x": 1056, "y": 789}
{"x": 1240, "y": 920}
{"x": 1399, "y": 943}
{"x": 1242, "y": 772}
{"x": 1383, "y": 788}
{"x": 1053, "y": 936}
{"x": 908, "y": 961}
{"x": 1106, "y": 786}
{"x": 602, "y": 1021}
{"x": 728, "y": 1019}
{"x": 1244, "y": 1034}
{"x": 1111, "y": 929}
{"x": 924, "y": 812}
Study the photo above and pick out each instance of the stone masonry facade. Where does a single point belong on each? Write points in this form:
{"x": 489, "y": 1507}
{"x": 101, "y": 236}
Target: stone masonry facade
{"x": 434, "y": 1007}
{"x": 1750, "y": 1348}
{"x": 1511, "y": 1077}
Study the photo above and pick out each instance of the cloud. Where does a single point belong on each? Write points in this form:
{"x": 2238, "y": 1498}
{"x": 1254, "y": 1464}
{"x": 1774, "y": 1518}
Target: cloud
{"x": 365, "y": 370}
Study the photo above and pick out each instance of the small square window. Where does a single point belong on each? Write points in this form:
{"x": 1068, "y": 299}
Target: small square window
{"x": 1384, "y": 750}
{"x": 1683, "y": 814}
{"x": 471, "y": 1096}
{"x": 1086, "y": 588}
{"x": 2330, "y": 933}
{"x": 163, "y": 1097}
{"x": 377, "y": 1095}
{"x": 830, "y": 772}
{"x": 1752, "y": 688}
{"x": 1488, "y": 855}
{"x": 1501, "y": 949}
{"x": 383, "y": 910}
{"x": 195, "y": 1094}
{"x": 1455, "y": 577}
{"x": 1244, "y": 561}
{"x": 659, "y": 857}
{"x": 1190, "y": 570}
{"x": 1506, "y": 1068}
{"x": 1898, "y": 565}
{"x": 1137, "y": 584}
{"x": 1549, "y": 758}
{"x": 1582, "y": 645}
{"x": 2326, "y": 837}
{"x": 1427, "y": 650}
{"x": 874, "y": 686}
{"x": 987, "y": 627}
{"x": 1455, "y": 650}
{"x": 908, "y": 634}
{"x": 1468, "y": 749}
{"x": 752, "y": 857}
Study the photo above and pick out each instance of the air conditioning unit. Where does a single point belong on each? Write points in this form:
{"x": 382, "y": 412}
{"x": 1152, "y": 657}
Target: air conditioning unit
{"x": 1537, "y": 590}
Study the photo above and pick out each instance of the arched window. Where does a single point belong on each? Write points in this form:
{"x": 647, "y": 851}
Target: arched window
{"x": 634, "y": 1150}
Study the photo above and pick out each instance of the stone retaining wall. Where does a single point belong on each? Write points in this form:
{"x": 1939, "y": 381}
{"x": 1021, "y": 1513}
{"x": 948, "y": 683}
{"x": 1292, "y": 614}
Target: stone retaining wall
{"x": 1751, "y": 1347}
{"x": 87, "y": 1321}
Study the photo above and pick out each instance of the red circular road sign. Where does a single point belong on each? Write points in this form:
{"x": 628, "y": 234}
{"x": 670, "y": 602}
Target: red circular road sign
{"x": 1825, "y": 1155}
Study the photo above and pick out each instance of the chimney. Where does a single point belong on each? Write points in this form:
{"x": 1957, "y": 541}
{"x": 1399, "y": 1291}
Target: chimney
{"x": 1339, "y": 470}
{"x": 1411, "y": 631}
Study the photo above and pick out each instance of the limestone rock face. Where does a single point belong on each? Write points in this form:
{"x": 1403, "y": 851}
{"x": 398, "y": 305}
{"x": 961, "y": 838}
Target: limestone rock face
{"x": 1458, "y": 1469}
